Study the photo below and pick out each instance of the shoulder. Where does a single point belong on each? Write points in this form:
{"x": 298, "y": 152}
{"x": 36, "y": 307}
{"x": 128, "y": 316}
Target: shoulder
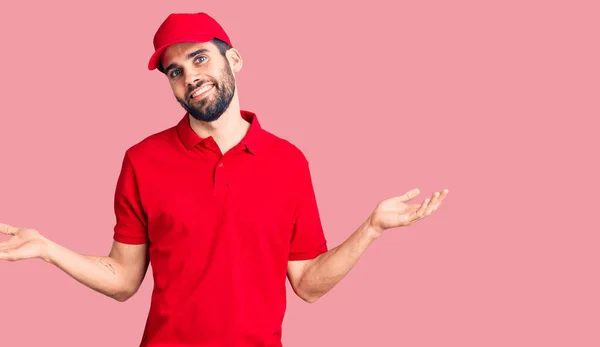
{"x": 283, "y": 149}
{"x": 152, "y": 145}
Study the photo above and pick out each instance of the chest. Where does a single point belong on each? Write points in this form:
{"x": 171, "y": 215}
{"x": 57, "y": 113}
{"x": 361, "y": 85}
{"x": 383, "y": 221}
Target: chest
{"x": 243, "y": 199}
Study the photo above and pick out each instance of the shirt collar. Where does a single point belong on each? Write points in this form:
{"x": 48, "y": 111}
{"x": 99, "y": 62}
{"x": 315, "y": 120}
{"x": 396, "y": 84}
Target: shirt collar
{"x": 251, "y": 141}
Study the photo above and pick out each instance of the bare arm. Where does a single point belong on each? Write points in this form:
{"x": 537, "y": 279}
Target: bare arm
{"x": 313, "y": 278}
{"x": 118, "y": 275}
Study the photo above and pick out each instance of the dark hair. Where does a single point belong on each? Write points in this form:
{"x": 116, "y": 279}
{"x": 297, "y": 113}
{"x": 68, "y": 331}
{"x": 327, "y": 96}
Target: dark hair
{"x": 221, "y": 45}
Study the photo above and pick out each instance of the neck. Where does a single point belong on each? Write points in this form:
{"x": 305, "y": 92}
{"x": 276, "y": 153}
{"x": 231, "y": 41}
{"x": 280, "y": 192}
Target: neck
{"x": 227, "y": 131}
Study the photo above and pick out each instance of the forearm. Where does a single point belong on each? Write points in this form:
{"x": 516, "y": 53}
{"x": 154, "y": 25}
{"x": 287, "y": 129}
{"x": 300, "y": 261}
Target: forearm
{"x": 102, "y": 274}
{"x": 325, "y": 271}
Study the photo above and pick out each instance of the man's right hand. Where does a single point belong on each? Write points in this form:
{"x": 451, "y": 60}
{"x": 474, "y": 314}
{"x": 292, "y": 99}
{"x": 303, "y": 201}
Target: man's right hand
{"x": 23, "y": 244}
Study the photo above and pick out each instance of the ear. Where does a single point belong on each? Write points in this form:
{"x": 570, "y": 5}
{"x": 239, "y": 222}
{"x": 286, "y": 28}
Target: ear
{"x": 235, "y": 59}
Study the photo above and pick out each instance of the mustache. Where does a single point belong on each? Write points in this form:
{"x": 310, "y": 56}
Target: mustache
{"x": 199, "y": 84}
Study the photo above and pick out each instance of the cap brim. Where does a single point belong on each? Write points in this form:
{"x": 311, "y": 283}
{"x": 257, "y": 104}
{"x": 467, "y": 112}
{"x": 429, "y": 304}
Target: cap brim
{"x": 155, "y": 58}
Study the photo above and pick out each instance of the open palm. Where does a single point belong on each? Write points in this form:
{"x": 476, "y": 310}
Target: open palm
{"x": 24, "y": 243}
{"x": 397, "y": 211}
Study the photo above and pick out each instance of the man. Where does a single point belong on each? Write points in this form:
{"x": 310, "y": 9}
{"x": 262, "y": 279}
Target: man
{"x": 223, "y": 209}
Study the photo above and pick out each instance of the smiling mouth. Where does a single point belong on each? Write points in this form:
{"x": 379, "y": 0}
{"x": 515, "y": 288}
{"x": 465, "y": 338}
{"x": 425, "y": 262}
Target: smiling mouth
{"x": 200, "y": 92}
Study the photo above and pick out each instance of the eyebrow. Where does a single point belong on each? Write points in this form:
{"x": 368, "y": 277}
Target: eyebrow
{"x": 188, "y": 57}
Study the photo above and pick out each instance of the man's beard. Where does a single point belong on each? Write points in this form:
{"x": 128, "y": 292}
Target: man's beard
{"x": 210, "y": 108}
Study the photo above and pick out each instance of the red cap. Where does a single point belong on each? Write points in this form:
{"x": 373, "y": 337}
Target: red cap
{"x": 185, "y": 27}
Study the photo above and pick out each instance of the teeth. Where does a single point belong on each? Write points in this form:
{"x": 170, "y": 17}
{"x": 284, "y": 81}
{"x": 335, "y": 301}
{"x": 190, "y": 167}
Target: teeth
{"x": 201, "y": 90}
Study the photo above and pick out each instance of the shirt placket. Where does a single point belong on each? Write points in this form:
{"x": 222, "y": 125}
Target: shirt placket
{"x": 219, "y": 174}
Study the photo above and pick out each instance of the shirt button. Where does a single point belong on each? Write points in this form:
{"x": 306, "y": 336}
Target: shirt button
{"x": 220, "y": 164}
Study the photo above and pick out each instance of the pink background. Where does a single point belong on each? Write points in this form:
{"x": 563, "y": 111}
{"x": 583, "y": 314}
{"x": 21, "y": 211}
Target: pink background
{"x": 496, "y": 101}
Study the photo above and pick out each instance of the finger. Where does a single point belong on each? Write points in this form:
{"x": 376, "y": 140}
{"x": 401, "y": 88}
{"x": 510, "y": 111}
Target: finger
{"x": 433, "y": 204}
{"x": 7, "y": 244}
{"x": 442, "y": 196}
{"x": 409, "y": 215}
{"x": 411, "y": 194}
{"x": 8, "y": 248}
{"x": 421, "y": 211}
{"x": 6, "y": 255}
{"x": 7, "y": 229}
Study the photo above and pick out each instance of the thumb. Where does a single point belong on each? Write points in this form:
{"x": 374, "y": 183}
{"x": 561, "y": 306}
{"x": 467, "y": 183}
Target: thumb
{"x": 411, "y": 194}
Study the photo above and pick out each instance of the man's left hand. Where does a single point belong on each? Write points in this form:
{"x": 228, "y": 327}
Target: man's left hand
{"x": 398, "y": 212}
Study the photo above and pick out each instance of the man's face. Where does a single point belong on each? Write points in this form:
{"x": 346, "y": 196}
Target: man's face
{"x": 201, "y": 79}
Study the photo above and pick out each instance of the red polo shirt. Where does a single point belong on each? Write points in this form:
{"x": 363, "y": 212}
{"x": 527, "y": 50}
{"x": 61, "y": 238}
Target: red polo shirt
{"x": 220, "y": 229}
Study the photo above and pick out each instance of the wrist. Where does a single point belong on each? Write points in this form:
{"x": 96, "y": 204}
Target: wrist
{"x": 372, "y": 228}
{"x": 372, "y": 231}
{"x": 47, "y": 250}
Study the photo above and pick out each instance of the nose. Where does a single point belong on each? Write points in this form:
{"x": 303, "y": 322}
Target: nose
{"x": 191, "y": 77}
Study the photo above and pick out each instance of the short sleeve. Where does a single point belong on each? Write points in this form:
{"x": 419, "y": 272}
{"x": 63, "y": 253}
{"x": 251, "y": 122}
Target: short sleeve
{"x": 308, "y": 239}
{"x": 131, "y": 220}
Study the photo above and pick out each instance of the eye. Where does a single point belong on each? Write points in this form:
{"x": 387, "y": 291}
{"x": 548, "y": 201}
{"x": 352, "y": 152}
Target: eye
{"x": 200, "y": 59}
{"x": 174, "y": 73}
